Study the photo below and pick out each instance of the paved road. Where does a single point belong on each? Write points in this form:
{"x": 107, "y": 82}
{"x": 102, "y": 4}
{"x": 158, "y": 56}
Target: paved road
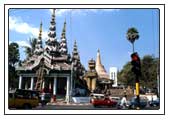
{"x": 72, "y": 107}
{"x": 81, "y": 107}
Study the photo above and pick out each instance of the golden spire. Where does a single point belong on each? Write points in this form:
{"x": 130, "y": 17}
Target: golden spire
{"x": 40, "y": 32}
{"x": 100, "y": 68}
{"x": 98, "y": 60}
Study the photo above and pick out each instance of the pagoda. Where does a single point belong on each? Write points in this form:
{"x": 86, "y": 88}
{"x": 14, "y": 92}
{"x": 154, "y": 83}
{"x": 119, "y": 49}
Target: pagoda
{"x": 100, "y": 68}
{"x": 50, "y": 68}
{"x": 96, "y": 77}
{"x": 104, "y": 83}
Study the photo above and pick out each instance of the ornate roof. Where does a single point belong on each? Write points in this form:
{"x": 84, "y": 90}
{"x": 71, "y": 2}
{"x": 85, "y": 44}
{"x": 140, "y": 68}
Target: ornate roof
{"x": 54, "y": 54}
{"x": 34, "y": 61}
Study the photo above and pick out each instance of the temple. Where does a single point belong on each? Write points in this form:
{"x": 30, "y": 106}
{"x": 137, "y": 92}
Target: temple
{"x": 51, "y": 68}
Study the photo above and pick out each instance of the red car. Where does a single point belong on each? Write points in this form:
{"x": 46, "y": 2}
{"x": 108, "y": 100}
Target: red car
{"x": 103, "y": 102}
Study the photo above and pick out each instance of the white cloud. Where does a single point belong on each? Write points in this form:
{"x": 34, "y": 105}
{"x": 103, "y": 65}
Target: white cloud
{"x": 23, "y": 43}
{"x": 60, "y": 12}
{"x": 19, "y": 26}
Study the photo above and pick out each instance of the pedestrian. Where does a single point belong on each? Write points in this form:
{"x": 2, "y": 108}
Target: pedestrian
{"x": 124, "y": 102}
{"x": 43, "y": 99}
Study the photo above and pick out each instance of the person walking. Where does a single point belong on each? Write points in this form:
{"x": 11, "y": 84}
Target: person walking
{"x": 124, "y": 102}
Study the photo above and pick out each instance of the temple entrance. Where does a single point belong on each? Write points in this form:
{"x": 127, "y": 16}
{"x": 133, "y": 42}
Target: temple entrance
{"x": 61, "y": 85}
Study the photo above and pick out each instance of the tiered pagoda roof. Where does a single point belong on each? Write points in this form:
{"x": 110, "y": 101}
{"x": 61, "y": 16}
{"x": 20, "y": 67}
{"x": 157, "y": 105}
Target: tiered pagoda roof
{"x": 55, "y": 53}
{"x": 77, "y": 66}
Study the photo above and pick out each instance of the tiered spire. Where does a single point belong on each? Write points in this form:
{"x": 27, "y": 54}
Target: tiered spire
{"x": 63, "y": 44}
{"x": 38, "y": 46}
{"x": 75, "y": 54}
{"x": 52, "y": 46}
{"x": 77, "y": 66}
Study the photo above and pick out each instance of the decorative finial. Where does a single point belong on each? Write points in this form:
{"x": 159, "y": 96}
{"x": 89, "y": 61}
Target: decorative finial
{"x": 75, "y": 42}
{"x": 98, "y": 51}
{"x": 54, "y": 11}
{"x": 40, "y": 32}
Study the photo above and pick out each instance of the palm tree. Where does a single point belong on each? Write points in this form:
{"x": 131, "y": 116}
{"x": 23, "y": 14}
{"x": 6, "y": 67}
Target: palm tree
{"x": 30, "y": 50}
{"x": 132, "y": 35}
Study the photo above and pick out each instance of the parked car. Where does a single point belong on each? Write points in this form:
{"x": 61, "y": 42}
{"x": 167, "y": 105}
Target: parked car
{"x": 104, "y": 102}
{"x": 96, "y": 96}
{"x": 115, "y": 98}
{"x": 25, "y": 99}
{"x": 154, "y": 103}
{"x": 133, "y": 103}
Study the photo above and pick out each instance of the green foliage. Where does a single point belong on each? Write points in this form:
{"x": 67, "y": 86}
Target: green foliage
{"x": 126, "y": 76}
{"x": 13, "y": 54}
{"x": 132, "y": 35}
{"x": 149, "y": 68}
{"x": 13, "y": 57}
{"x": 30, "y": 50}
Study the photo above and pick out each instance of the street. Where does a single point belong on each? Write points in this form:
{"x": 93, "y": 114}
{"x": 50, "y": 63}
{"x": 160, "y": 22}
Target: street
{"x": 82, "y": 107}
{"x": 72, "y": 107}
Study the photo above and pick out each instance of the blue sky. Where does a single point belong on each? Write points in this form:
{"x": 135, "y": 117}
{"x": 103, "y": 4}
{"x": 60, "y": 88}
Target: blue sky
{"x": 93, "y": 29}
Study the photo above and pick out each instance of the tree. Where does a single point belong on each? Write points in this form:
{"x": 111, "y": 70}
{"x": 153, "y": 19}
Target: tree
{"x": 30, "y": 50}
{"x": 149, "y": 69}
{"x": 13, "y": 59}
{"x": 132, "y": 35}
{"x": 126, "y": 76}
{"x": 13, "y": 54}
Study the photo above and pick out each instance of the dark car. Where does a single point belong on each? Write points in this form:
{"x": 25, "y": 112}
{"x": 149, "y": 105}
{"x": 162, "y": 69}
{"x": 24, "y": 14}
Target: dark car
{"x": 154, "y": 103}
{"x": 24, "y": 99}
{"x": 133, "y": 103}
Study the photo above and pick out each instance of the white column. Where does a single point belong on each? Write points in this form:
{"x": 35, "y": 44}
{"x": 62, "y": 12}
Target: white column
{"x": 68, "y": 90}
{"x": 43, "y": 86}
{"x": 20, "y": 82}
{"x": 32, "y": 83}
{"x": 55, "y": 86}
